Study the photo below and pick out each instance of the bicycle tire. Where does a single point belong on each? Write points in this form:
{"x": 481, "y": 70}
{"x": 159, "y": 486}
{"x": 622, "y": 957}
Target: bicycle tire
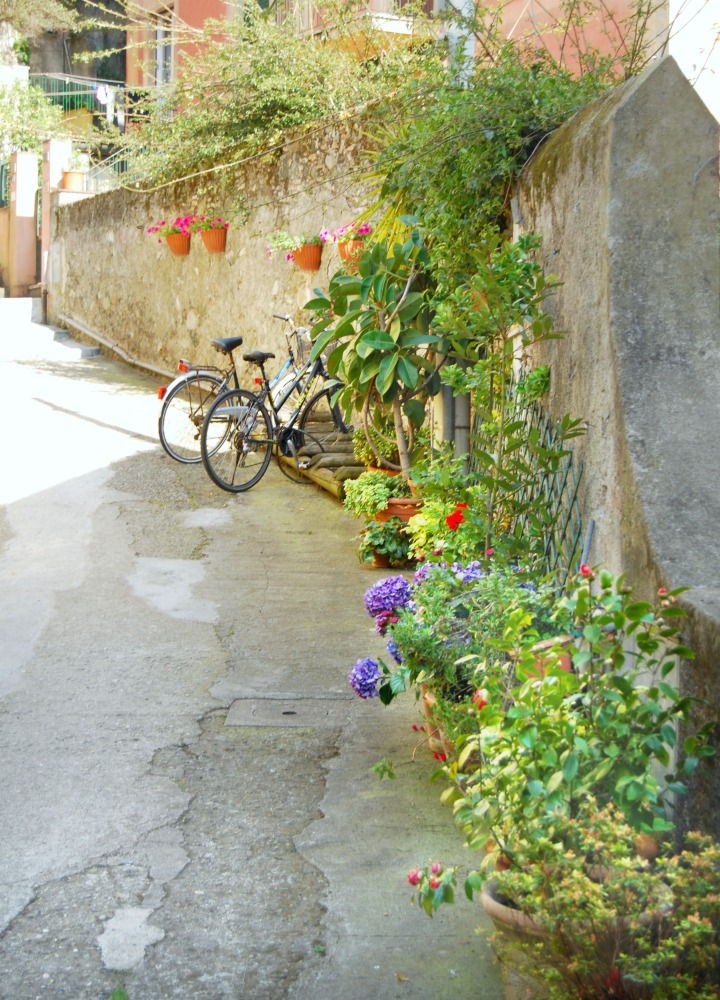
{"x": 183, "y": 414}
{"x": 320, "y": 430}
{"x": 236, "y": 441}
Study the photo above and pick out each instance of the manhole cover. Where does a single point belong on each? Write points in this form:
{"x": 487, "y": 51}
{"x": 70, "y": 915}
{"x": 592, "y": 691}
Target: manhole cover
{"x": 288, "y": 712}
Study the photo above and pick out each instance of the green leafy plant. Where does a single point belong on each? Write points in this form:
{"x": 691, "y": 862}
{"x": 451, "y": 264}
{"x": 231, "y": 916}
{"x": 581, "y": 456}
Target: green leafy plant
{"x": 369, "y": 493}
{"x": 384, "y": 538}
{"x": 287, "y": 243}
{"x": 378, "y": 324}
{"x": 544, "y": 744}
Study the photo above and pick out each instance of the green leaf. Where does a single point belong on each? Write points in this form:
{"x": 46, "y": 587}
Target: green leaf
{"x": 407, "y": 373}
{"x": 386, "y": 374}
{"x": 376, "y": 340}
{"x": 414, "y": 411}
{"x": 555, "y": 781}
{"x": 570, "y": 766}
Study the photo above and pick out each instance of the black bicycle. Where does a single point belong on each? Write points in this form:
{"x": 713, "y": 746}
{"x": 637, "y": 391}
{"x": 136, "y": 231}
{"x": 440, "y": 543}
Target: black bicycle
{"x": 188, "y": 398}
{"x": 242, "y": 429}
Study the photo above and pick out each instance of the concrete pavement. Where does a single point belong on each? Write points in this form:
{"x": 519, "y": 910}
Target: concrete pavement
{"x": 187, "y": 809}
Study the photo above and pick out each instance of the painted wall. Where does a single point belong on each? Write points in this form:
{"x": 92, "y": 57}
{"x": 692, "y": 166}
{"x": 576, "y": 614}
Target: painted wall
{"x": 625, "y": 197}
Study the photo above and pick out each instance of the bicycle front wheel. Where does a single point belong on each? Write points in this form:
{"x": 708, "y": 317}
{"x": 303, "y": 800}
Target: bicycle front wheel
{"x": 236, "y": 441}
{"x": 322, "y": 423}
{"x": 183, "y": 414}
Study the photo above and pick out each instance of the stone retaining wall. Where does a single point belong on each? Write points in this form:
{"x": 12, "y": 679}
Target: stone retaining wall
{"x": 112, "y": 278}
{"x": 626, "y": 199}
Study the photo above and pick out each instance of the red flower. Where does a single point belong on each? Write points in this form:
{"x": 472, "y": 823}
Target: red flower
{"x": 585, "y": 570}
{"x": 489, "y": 552}
{"x": 414, "y": 876}
{"x": 662, "y": 592}
{"x": 454, "y": 520}
{"x": 480, "y": 699}
{"x": 434, "y": 883}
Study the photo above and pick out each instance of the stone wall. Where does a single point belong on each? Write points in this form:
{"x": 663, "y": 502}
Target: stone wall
{"x": 625, "y": 197}
{"x": 108, "y": 276}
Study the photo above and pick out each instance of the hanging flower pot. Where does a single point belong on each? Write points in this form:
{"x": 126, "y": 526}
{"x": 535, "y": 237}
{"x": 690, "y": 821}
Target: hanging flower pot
{"x": 178, "y": 243}
{"x": 350, "y": 253}
{"x": 214, "y": 239}
{"x": 307, "y": 256}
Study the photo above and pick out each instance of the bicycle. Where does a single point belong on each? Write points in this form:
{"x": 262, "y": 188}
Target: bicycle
{"x": 242, "y": 429}
{"x": 187, "y": 398}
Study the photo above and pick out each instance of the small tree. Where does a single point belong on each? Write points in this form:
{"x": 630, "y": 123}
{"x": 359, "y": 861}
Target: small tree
{"x": 379, "y": 323}
{"x": 27, "y": 118}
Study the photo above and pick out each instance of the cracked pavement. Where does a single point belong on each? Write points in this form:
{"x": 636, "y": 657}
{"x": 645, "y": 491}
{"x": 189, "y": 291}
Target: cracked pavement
{"x": 187, "y": 808}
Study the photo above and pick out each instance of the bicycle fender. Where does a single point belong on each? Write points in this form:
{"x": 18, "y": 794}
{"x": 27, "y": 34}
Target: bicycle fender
{"x": 185, "y": 375}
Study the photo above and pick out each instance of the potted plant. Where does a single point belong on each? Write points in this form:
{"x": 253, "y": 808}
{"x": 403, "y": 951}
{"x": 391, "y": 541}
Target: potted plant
{"x": 351, "y": 241}
{"x": 384, "y": 543}
{"x": 382, "y": 344}
{"x": 552, "y": 755}
{"x": 213, "y": 231}
{"x": 73, "y": 176}
{"x": 304, "y": 250}
{"x": 176, "y": 233}
{"x": 374, "y": 494}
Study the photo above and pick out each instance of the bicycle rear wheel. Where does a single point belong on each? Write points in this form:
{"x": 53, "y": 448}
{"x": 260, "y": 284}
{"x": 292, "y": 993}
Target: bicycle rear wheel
{"x": 183, "y": 414}
{"x": 236, "y": 441}
{"x": 321, "y": 439}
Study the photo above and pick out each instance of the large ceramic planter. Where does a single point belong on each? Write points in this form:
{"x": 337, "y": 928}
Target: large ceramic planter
{"x": 178, "y": 244}
{"x": 214, "y": 239}
{"x": 402, "y": 507}
{"x": 514, "y": 931}
{"x": 307, "y": 257}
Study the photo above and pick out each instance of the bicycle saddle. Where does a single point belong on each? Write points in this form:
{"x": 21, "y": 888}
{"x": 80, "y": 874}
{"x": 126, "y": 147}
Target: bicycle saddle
{"x": 226, "y": 344}
{"x": 257, "y": 357}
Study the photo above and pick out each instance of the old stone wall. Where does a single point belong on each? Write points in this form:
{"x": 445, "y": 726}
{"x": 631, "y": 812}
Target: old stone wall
{"x": 108, "y": 276}
{"x": 625, "y": 197}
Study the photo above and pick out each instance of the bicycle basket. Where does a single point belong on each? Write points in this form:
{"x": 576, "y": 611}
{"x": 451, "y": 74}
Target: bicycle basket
{"x": 304, "y": 344}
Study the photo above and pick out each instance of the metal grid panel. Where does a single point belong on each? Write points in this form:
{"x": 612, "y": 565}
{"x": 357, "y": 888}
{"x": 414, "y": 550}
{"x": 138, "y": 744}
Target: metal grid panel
{"x": 562, "y": 535}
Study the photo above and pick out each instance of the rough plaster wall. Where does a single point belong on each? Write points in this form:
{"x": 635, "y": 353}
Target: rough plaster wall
{"x": 113, "y": 278}
{"x": 625, "y": 197}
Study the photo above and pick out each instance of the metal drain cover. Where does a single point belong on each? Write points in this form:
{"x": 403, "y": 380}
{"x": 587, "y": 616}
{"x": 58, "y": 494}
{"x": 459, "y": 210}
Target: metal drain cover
{"x": 289, "y": 712}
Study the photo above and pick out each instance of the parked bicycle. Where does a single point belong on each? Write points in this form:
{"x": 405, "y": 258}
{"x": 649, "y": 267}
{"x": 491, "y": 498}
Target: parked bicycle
{"x": 243, "y": 429}
{"x": 187, "y": 399}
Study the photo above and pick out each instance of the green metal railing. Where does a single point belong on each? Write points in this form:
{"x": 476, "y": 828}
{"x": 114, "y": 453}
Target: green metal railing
{"x": 73, "y": 92}
{"x": 558, "y": 486}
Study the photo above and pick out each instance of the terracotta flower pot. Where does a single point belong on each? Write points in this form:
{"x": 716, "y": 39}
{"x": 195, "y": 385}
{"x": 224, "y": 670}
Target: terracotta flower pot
{"x": 307, "y": 257}
{"x": 178, "y": 244}
{"x": 214, "y": 239}
{"x": 402, "y": 507}
{"x": 72, "y": 180}
{"x": 350, "y": 253}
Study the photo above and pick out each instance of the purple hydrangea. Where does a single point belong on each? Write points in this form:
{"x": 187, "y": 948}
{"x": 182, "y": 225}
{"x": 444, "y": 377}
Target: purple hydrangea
{"x": 467, "y": 574}
{"x": 393, "y": 650}
{"x": 387, "y": 595}
{"x": 363, "y": 678}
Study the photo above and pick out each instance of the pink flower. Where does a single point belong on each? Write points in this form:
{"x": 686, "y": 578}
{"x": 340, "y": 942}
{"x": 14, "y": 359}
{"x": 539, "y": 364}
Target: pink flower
{"x": 414, "y": 876}
{"x": 325, "y": 235}
{"x": 489, "y": 552}
{"x": 662, "y": 591}
{"x": 436, "y": 867}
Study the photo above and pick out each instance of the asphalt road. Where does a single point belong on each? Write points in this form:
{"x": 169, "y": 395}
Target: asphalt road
{"x": 186, "y": 805}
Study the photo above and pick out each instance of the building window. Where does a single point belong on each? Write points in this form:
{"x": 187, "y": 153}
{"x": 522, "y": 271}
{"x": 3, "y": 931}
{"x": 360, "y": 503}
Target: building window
{"x": 163, "y": 45}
